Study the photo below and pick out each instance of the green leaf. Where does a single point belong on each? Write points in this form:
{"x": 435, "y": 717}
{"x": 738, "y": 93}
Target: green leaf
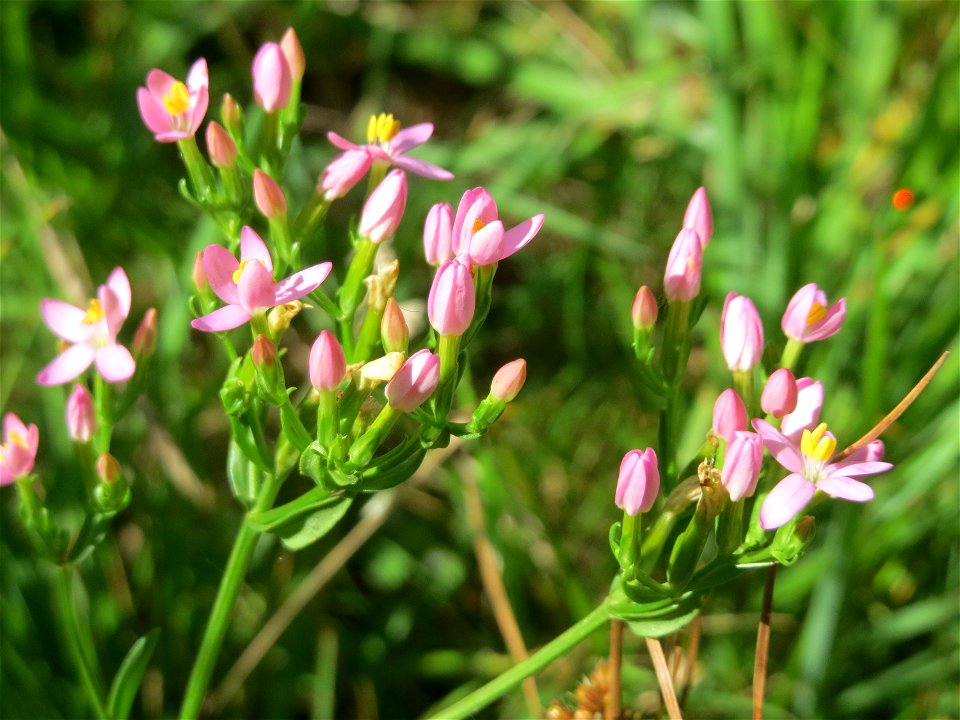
{"x": 124, "y": 688}
{"x": 310, "y": 528}
{"x": 394, "y": 467}
{"x": 658, "y": 623}
{"x": 242, "y": 475}
{"x": 316, "y": 498}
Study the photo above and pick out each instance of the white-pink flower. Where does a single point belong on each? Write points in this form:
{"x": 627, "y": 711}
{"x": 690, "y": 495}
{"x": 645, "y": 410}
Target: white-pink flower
{"x": 810, "y": 470}
{"x": 247, "y": 284}
{"x": 92, "y": 332}
{"x": 478, "y": 232}
{"x": 171, "y": 109}
{"x": 387, "y": 142}
{"x": 19, "y": 449}
{"x": 807, "y": 317}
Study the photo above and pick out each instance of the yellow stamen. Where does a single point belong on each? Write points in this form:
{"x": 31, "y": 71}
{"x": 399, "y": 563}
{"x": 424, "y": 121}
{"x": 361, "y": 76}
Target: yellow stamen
{"x": 478, "y": 224}
{"x": 94, "y": 312}
{"x": 177, "y": 99}
{"x": 15, "y": 437}
{"x": 817, "y": 313}
{"x": 239, "y": 271}
{"x": 817, "y": 444}
{"x": 382, "y": 128}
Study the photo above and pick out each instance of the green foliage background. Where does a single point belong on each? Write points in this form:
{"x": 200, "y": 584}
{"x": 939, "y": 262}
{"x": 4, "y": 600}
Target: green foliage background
{"x": 800, "y": 118}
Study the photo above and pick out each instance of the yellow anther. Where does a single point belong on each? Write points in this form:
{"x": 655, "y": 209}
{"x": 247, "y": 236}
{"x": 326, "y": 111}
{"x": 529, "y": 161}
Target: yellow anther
{"x": 817, "y": 444}
{"x": 177, "y": 99}
{"x": 94, "y": 312}
{"x": 17, "y": 439}
{"x": 817, "y": 313}
{"x": 239, "y": 271}
{"x": 478, "y": 224}
{"x": 382, "y": 128}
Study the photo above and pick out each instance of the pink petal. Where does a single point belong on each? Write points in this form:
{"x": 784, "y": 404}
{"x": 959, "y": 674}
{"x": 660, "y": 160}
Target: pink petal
{"x": 173, "y": 135}
{"x": 422, "y": 168}
{"x": 857, "y": 468}
{"x": 198, "y": 108}
{"x": 302, "y": 283}
{"x": 198, "y": 77}
{"x": 252, "y": 247}
{"x": 154, "y": 115}
{"x": 787, "y": 498}
{"x": 120, "y": 284}
{"x": 226, "y": 318}
{"x": 67, "y": 365}
{"x": 467, "y": 202}
{"x": 518, "y": 237}
{"x": 486, "y": 245}
{"x": 159, "y": 82}
{"x": 256, "y": 289}
{"x": 12, "y": 424}
{"x": 342, "y": 142}
{"x": 113, "y": 315}
{"x": 780, "y": 447}
{"x": 831, "y": 323}
{"x": 410, "y": 137}
{"x": 846, "y": 488}
{"x": 115, "y": 363}
{"x": 219, "y": 265}
{"x": 807, "y": 411}
{"x": 65, "y": 320}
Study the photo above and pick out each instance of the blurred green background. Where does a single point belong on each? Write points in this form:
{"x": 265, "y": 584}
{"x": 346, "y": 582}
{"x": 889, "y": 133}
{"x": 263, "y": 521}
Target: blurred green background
{"x": 801, "y": 119}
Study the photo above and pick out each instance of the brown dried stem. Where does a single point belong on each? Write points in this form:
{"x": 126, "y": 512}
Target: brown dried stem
{"x": 611, "y": 709}
{"x": 663, "y": 677}
{"x": 763, "y": 646}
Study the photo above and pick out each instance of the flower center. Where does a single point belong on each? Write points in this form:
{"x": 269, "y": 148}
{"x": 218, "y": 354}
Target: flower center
{"x": 817, "y": 313}
{"x": 382, "y": 128}
{"x": 817, "y": 444}
{"x": 177, "y": 99}
{"x": 239, "y": 271}
{"x": 94, "y": 312}
{"x": 478, "y": 224}
{"x": 16, "y": 439}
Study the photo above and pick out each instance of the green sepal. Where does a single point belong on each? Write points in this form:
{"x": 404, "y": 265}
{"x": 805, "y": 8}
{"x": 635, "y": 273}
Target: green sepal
{"x": 293, "y": 426}
{"x": 393, "y": 467}
{"x": 654, "y": 615}
{"x": 614, "y": 536}
{"x": 126, "y": 683}
{"x": 242, "y": 435}
{"x": 243, "y": 475}
{"x": 316, "y": 498}
{"x": 307, "y": 529}
{"x": 315, "y": 464}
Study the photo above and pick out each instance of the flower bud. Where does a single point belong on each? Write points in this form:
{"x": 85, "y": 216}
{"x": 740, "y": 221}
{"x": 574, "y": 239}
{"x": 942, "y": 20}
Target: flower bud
{"x": 741, "y": 465}
{"x": 271, "y": 78}
{"x": 198, "y": 274}
{"x": 343, "y": 172}
{"x": 231, "y": 115}
{"x": 81, "y": 419}
{"x": 264, "y": 352}
{"x": 268, "y": 195}
{"x": 393, "y": 328}
{"x": 327, "y": 364}
{"x": 452, "y": 299}
{"x": 681, "y": 281}
{"x": 384, "y": 208}
{"x": 639, "y": 481}
{"x": 414, "y": 382}
{"x": 220, "y": 146}
{"x": 380, "y": 287}
{"x": 293, "y": 53}
{"x": 779, "y": 395}
{"x": 438, "y": 235}
{"x": 805, "y": 415}
{"x": 741, "y": 333}
{"x": 379, "y": 371}
{"x": 644, "y": 311}
{"x": 509, "y": 380}
{"x": 699, "y": 217}
{"x": 19, "y": 451}
{"x": 145, "y": 338}
{"x": 280, "y": 317}
{"x": 729, "y": 415}
{"x": 807, "y": 317}
{"x": 108, "y": 469}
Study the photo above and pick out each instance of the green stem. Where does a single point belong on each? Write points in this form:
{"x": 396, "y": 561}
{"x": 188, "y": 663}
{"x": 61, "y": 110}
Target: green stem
{"x": 75, "y": 640}
{"x": 480, "y": 698}
{"x": 200, "y": 176}
{"x": 791, "y": 353}
{"x": 230, "y": 583}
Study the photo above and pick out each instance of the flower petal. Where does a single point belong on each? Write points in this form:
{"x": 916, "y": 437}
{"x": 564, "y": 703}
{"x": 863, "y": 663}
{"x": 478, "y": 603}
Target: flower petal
{"x": 787, "y": 498}
{"x": 120, "y": 284}
{"x": 410, "y": 137}
{"x": 302, "y": 283}
{"x": 221, "y": 320}
{"x": 219, "y": 265}
{"x": 113, "y": 315}
{"x": 486, "y": 245}
{"x": 807, "y": 411}
{"x": 154, "y": 115}
{"x": 256, "y": 289}
{"x": 252, "y": 247}
{"x": 159, "y": 82}
{"x": 67, "y": 365}
{"x": 198, "y": 77}
{"x": 341, "y": 142}
{"x": 831, "y": 323}
{"x": 13, "y": 425}
{"x": 422, "y": 168}
{"x": 519, "y": 236}
{"x": 115, "y": 363}
{"x": 65, "y": 320}
{"x": 780, "y": 447}
{"x": 846, "y": 488}
{"x": 857, "y": 468}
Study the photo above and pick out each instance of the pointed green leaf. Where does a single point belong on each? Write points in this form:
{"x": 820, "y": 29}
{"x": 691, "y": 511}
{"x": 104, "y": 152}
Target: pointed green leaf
{"x": 123, "y": 690}
{"x": 308, "y": 529}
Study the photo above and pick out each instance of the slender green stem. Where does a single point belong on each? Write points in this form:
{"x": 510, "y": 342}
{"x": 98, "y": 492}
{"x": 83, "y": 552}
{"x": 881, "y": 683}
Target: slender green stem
{"x": 791, "y": 353}
{"x": 75, "y": 640}
{"x": 502, "y": 684}
{"x": 200, "y": 176}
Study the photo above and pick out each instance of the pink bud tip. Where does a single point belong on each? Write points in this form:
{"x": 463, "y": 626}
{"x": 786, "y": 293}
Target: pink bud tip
{"x": 145, "y": 338}
{"x": 293, "y": 52}
{"x": 229, "y": 111}
{"x": 327, "y": 362}
{"x": 741, "y": 465}
{"x": 414, "y": 382}
{"x": 729, "y": 415}
{"x": 779, "y": 395}
{"x": 264, "y": 352}
{"x": 452, "y": 301}
{"x": 644, "y": 311}
{"x": 384, "y": 208}
{"x": 198, "y": 275}
{"x": 108, "y": 469}
{"x": 681, "y": 281}
{"x": 741, "y": 333}
{"x": 81, "y": 419}
{"x": 268, "y": 195}
{"x": 509, "y": 380}
{"x": 699, "y": 216}
{"x": 438, "y": 234}
{"x": 393, "y": 328}
{"x": 271, "y": 78}
{"x": 639, "y": 481}
{"x": 220, "y": 147}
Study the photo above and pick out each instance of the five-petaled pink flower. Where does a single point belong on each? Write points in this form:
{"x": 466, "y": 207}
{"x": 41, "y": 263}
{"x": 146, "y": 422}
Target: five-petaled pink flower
{"x": 247, "y": 284}
{"x": 387, "y": 142}
{"x": 810, "y": 470}
{"x": 19, "y": 449}
{"x": 478, "y": 232}
{"x": 807, "y": 317}
{"x": 171, "y": 109}
{"x": 93, "y": 333}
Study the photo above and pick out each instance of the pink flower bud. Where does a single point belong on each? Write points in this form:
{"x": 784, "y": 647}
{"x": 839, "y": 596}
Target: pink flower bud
{"x": 198, "y": 274}
{"x": 639, "y": 481}
{"x": 779, "y": 395}
{"x": 384, "y": 208}
{"x": 509, "y": 380}
{"x": 19, "y": 450}
{"x": 230, "y": 113}
{"x": 452, "y": 300}
{"x": 414, "y": 382}
{"x": 268, "y": 195}
{"x": 81, "y": 419}
{"x": 741, "y": 333}
{"x": 343, "y": 172}
{"x": 741, "y": 465}
{"x": 327, "y": 362}
{"x": 264, "y": 352}
{"x": 681, "y": 281}
{"x": 807, "y": 412}
{"x": 293, "y": 53}
{"x": 644, "y": 311}
{"x": 729, "y": 415}
{"x": 271, "y": 78}
{"x": 220, "y": 147}
{"x": 699, "y": 217}
{"x": 108, "y": 469}
{"x": 807, "y": 317}
{"x": 393, "y": 328}
{"x": 145, "y": 338}
{"x": 438, "y": 234}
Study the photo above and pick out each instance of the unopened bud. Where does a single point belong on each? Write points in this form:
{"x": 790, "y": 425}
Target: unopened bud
{"x": 198, "y": 274}
{"x": 644, "y": 311}
{"x": 509, "y": 380}
{"x": 145, "y": 338}
{"x": 231, "y": 115}
{"x": 293, "y": 52}
{"x": 81, "y": 419}
{"x": 779, "y": 395}
{"x": 380, "y": 287}
{"x": 268, "y": 195}
{"x": 264, "y": 352}
{"x": 220, "y": 147}
{"x": 280, "y": 317}
{"x": 108, "y": 469}
{"x": 393, "y": 328}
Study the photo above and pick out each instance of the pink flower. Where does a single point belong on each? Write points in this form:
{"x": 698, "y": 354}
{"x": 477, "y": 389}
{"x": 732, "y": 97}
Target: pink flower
{"x": 451, "y": 302}
{"x": 741, "y": 465}
{"x": 19, "y": 449}
{"x": 387, "y": 142}
{"x": 81, "y": 420}
{"x": 479, "y": 234}
{"x": 93, "y": 333}
{"x": 438, "y": 235}
{"x": 779, "y": 395}
{"x": 741, "y": 333}
{"x": 807, "y": 317}
{"x": 171, "y": 110}
{"x": 343, "y": 172}
{"x": 729, "y": 415}
{"x": 699, "y": 217}
{"x": 271, "y": 78}
{"x": 384, "y": 208}
{"x": 681, "y": 280}
{"x": 327, "y": 363}
{"x": 810, "y": 470}
{"x": 414, "y": 382}
{"x": 247, "y": 284}
{"x": 509, "y": 380}
{"x": 639, "y": 481}
{"x": 807, "y": 411}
